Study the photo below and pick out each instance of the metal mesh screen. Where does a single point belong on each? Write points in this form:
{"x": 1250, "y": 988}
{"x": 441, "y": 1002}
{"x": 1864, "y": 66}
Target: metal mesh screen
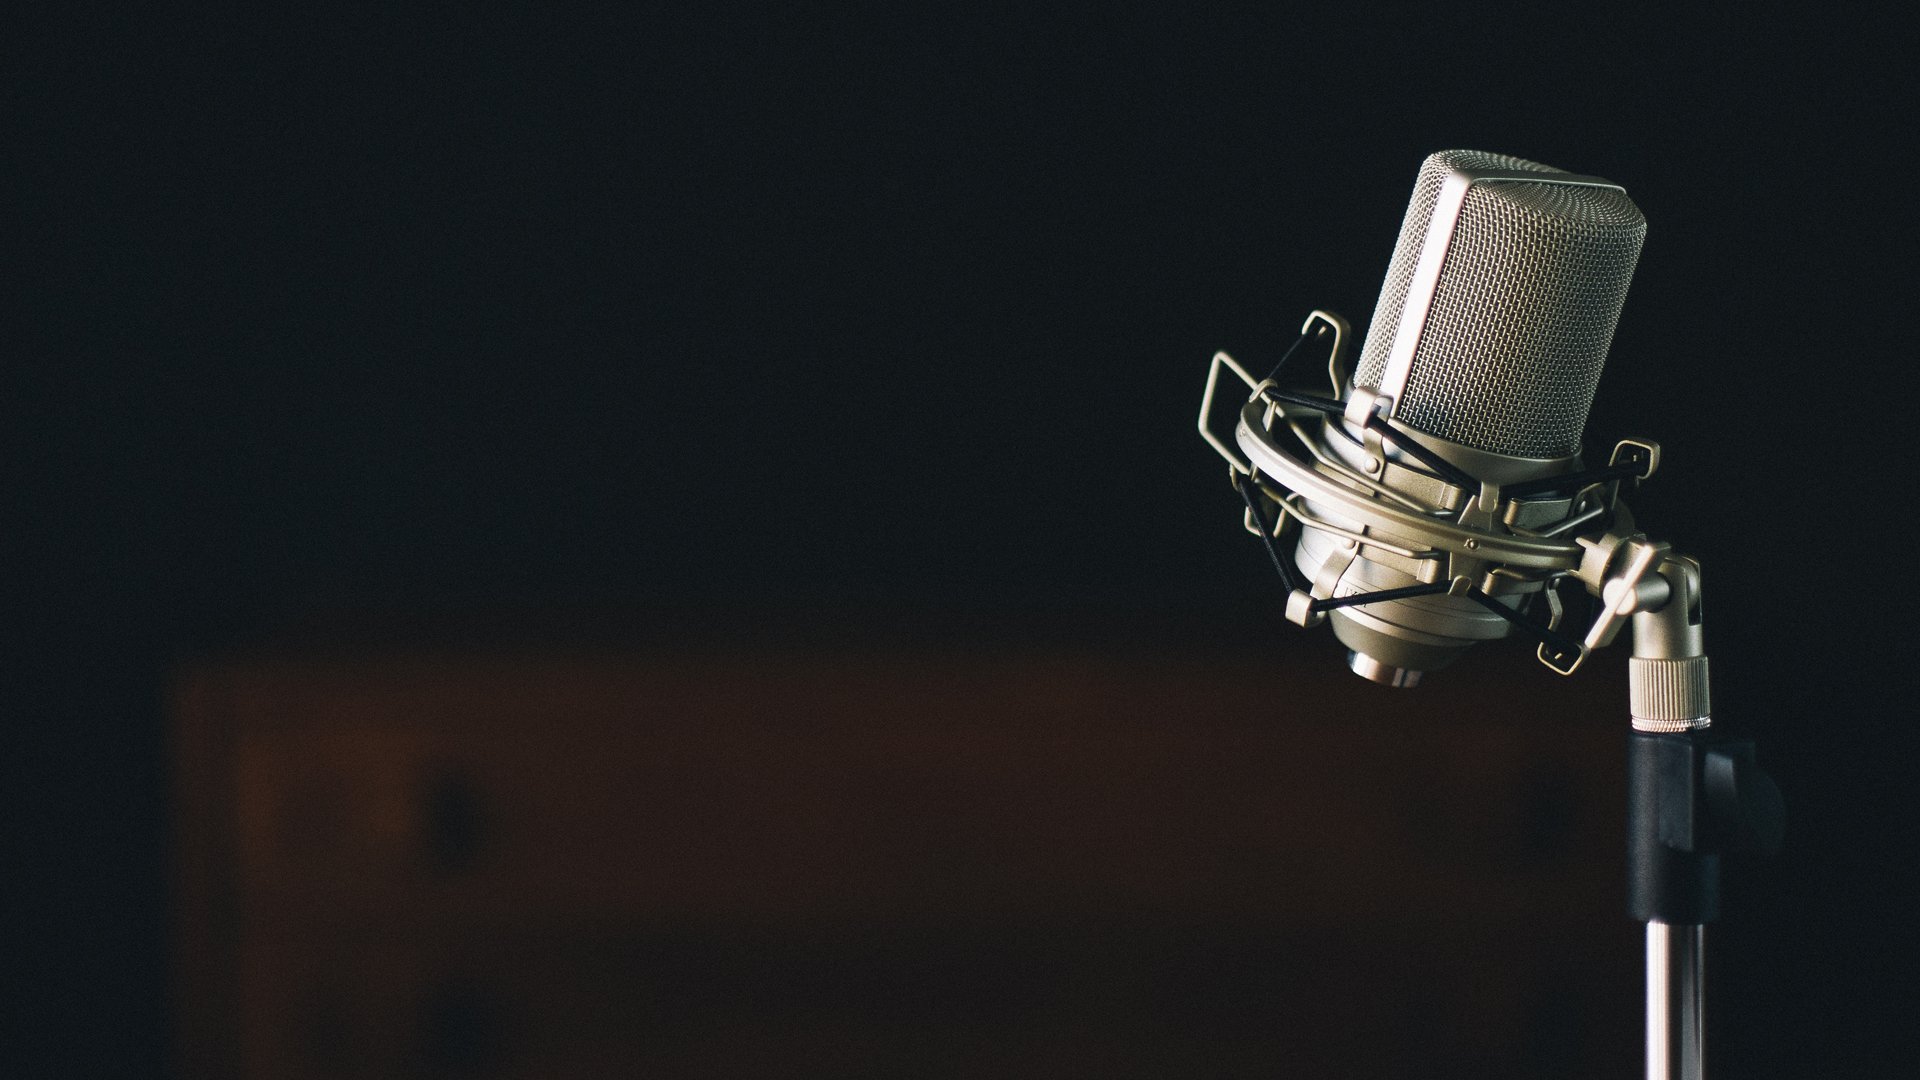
{"x": 1523, "y": 313}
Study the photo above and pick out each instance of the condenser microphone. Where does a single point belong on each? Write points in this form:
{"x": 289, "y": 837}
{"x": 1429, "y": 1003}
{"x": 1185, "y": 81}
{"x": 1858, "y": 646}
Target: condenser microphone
{"x": 1457, "y": 491}
{"x": 1438, "y": 499}
{"x": 1486, "y": 346}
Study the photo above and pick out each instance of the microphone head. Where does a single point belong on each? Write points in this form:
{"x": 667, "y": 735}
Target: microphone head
{"x": 1490, "y": 334}
{"x": 1492, "y": 326}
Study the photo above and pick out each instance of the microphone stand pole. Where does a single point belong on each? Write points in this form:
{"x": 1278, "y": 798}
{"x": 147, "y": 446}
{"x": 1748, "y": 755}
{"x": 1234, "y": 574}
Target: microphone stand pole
{"x": 1690, "y": 797}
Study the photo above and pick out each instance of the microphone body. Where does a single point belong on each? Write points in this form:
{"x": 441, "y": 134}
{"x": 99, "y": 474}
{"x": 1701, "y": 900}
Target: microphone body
{"x": 1485, "y": 348}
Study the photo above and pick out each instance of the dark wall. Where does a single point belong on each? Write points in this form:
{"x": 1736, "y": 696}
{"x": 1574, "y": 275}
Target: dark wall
{"x": 890, "y": 311}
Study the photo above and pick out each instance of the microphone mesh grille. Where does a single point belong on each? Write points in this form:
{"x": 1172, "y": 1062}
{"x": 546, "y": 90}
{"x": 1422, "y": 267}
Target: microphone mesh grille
{"x": 1523, "y": 313}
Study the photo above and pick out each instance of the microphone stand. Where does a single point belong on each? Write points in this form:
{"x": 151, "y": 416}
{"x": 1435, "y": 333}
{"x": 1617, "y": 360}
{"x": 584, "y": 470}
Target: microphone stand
{"x": 1690, "y": 796}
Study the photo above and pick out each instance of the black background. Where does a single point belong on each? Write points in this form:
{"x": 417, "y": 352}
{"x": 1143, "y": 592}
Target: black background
{"x": 897, "y": 312}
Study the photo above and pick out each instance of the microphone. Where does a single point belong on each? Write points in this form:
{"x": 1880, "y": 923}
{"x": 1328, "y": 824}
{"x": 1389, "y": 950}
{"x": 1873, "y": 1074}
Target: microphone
{"x": 1442, "y": 492}
{"x": 1438, "y": 498}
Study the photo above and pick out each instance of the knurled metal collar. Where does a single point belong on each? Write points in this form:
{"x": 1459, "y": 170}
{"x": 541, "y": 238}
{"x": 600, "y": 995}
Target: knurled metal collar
{"x": 1669, "y": 695}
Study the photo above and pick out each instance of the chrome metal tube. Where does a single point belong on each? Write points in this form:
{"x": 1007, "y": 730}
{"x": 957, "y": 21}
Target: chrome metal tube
{"x": 1676, "y": 1000}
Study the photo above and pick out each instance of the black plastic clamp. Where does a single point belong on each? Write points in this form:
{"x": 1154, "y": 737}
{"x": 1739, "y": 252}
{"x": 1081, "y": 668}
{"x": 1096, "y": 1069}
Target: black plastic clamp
{"x": 1690, "y": 798}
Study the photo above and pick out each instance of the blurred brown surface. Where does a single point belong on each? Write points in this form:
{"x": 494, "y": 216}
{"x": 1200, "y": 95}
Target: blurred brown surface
{"x": 598, "y": 861}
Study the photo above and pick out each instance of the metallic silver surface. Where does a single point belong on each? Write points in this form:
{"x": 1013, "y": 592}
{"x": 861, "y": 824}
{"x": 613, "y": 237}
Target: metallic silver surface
{"x": 1500, "y": 302}
{"x": 1368, "y": 668}
{"x": 1670, "y": 693}
{"x": 1676, "y": 1002}
{"x": 1670, "y": 727}
{"x": 1674, "y": 630}
{"x": 1489, "y": 466}
{"x": 1443, "y": 224}
{"x": 1499, "y": 469}
{"x": 1359, "y": 518}
{"x": 1392, "y": 645}
{"x": 1337, "y": 356}
{"x": 1665, "y": 693}
{"x": 1221, "y": 359}
{"x": 1668, "y": 684}
{"x": 1426, "y": 531}
{"x": 1631, "y": 586}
